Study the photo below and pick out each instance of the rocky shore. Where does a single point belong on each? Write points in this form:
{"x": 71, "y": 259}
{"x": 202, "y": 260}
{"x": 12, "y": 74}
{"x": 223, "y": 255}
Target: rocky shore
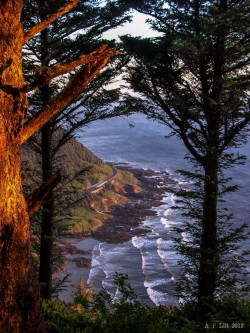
{"x": 65, "y": 248}
{"x": 126, "y": 218}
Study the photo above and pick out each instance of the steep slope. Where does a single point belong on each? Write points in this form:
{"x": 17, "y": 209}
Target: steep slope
{"x": 71, "y": 158}
{"x": 83, "y": 211}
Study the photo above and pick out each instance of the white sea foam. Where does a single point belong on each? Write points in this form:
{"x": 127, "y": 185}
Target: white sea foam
{"x": 167, "y": 171}
{"x": 184, "y": 236}
{"x": 165, "y": 222}
{"x": 173, "y": 199}
{"x": 102, "y": 260}
{"x": 157, "y": 297}
{"x": 139, "y": 242}
{"x": 93, "y": 272}
{"x": 167, "y": 212}
{"x": 107, "y": 284}
{"x": 162, "y": 254}
{"x": 94, "y": 264}
{"x": 135, "y": 242}
{"x": 157, "y": 282}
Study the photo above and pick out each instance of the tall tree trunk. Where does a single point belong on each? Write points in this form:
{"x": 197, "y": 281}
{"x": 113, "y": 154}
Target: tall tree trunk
{"x": 20, "y": 308}
{"x": 208, "y": 249}
{"x": 46, "y": 247}
{"x": 208, "y": 254}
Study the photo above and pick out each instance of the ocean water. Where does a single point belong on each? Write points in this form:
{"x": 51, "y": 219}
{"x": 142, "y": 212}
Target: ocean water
{"x": 150, "y": 260}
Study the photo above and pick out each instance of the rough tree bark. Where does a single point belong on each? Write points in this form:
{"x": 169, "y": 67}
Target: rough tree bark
{"x": 20, "y": 309}
{"x": 19, "y": 289}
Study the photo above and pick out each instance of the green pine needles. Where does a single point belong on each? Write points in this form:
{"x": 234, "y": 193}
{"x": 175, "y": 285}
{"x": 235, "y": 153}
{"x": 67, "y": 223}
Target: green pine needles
{"x": 194, "y": 78}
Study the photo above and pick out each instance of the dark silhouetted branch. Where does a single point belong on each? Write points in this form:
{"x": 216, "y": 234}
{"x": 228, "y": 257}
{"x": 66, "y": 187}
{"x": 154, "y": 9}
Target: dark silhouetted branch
{"x": 43, "y": 75}
{"x": 44, "y": 24}
{"x": 73, "y": 89}
{"x": 37, "y": 198}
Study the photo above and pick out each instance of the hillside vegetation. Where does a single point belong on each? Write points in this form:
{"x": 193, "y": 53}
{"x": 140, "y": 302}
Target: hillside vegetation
{"x": 80, "y": 169}
{"x": 96, "y": 211}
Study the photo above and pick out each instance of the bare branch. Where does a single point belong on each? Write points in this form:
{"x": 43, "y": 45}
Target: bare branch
{"x": 37, "y": 198}
{"x": 41, "y": 26}
{"x": 45, "y": 74}
{"x": 73, "y": 89}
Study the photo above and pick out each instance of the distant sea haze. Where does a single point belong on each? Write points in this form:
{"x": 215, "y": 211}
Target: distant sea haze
{"x": 150, "y": 260}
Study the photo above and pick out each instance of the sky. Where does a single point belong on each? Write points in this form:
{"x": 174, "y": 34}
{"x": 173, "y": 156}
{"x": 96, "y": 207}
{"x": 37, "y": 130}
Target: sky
{"x": 138, "y": 27}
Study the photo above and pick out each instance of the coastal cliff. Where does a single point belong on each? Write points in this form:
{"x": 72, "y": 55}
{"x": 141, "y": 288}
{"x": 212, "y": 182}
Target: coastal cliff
{"x": 81, "y": 169}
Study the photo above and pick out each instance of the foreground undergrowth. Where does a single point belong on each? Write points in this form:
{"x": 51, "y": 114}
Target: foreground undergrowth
{"x": 91, "y": 312}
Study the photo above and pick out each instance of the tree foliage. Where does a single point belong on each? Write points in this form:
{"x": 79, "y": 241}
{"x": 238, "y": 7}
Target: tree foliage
{"x": 195, "y": 79}
{"x": 57, "y": 50}
{"x": 19, "y": 292}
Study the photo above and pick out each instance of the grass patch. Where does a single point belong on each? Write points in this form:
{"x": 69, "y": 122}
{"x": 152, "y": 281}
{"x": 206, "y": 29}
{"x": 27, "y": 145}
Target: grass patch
{"x": 98, "y": 173}
{"x": 128, "y": 177}
{"x": 86, "y": 220}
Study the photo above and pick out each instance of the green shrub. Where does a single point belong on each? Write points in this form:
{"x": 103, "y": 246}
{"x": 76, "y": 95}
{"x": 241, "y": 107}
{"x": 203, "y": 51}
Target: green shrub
{"x": 60, "y": 317}
{"x": 101, "y": 313}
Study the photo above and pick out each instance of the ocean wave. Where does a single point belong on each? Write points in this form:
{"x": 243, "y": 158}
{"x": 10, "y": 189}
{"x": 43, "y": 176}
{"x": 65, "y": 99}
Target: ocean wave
{"x": 162, "y": 254}
{"x": 94, "y": 264}
{"x": 123, "y": 162}
{"x": 141, "y": 243}
{"x": 157, "y": 297}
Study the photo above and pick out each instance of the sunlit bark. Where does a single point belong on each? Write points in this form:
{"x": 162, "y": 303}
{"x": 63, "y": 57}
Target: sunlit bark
{"x": 19, "y": 290}
{"x": 20, "y": 309}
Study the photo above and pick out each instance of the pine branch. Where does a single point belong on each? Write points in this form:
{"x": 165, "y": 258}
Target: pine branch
{"x": 44, "y": 24}
{"x": 45, "y": 74}
{"x": 178, "y": 122}
{"x": 234, "y": 131}
{"x": 37, "y": 198}
{"x": 73, "y": 89}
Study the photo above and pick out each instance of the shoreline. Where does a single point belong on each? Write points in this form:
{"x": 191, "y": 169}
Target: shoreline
{"x": 127, "y": 218}
{"x": 126, "y": 222}
{"x": 84, "y": 246}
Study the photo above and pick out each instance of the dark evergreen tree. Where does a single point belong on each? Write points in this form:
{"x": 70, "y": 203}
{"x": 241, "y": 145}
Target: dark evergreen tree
{"x": 64, "y": 40}
{"x": 195, "y": 79}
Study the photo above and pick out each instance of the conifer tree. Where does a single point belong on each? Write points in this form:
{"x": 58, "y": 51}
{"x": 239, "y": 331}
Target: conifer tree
{"x": 195, "y": 79}
{"x": 19, "y": 291}
{"x": 66, "y": 40}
